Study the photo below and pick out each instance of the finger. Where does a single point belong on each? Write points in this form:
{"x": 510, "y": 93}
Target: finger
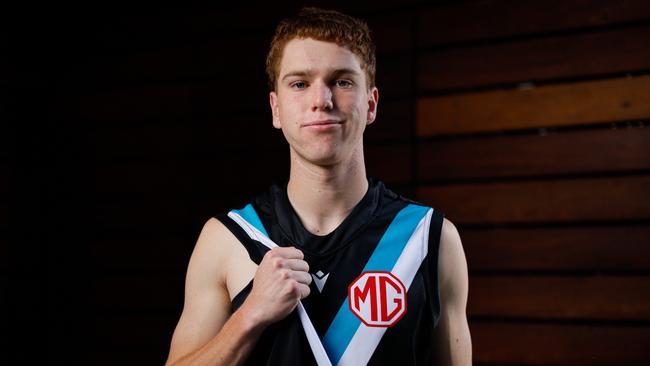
{"x": 296, "y": 265}
{"x": 304, "y": 290}
{"x": 289, "y": 252}
{"x": 301, "y": 277}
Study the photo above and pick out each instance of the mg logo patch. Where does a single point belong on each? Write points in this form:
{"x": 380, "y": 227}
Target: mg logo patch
{"x": 377, "y": 298}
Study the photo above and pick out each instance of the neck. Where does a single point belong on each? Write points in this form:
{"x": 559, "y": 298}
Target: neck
{"x": 323, "y": 196}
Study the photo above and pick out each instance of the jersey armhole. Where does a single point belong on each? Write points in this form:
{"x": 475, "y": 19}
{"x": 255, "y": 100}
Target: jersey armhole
{"x": 431, "y": 280}
{"x": 255, "y": 251}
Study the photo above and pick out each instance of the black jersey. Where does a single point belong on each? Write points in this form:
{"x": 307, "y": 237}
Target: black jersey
{"x": 374, "y": 299}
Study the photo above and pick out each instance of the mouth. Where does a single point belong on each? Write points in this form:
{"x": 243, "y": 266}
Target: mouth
{"x": 323, "y": 122}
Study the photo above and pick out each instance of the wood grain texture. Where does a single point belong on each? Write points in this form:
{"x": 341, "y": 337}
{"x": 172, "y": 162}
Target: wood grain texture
{"x": 559, "y": 344}
{"x": 392, "y": 32}
{"x": 395, "y": 76}
{"x": 614, "y": 248}
{"x": 395, "y": 121}
{"x": 454, "y": 22}
{"x": 553, "y": 57}
{"x": 571, "y": 104}
{"x": 390, "y": 163}
{"x": 589, "y": 297}
{"x": 589, "y": 199}
{"x": 559, "y": 152}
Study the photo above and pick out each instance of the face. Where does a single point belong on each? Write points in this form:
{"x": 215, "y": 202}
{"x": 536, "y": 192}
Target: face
{"x": 322, "y": 102}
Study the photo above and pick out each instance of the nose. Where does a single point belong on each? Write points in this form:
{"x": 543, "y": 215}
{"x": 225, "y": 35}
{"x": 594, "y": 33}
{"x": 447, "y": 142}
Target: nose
{"x": 322, "y": 97}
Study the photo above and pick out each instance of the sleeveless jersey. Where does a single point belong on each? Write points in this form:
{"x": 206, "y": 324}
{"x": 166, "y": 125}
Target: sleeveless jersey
{"x": 374, "y": 296}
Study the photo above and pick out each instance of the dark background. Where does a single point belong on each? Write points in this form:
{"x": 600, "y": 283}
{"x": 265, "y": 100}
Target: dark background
{"x": 125, "y": 129}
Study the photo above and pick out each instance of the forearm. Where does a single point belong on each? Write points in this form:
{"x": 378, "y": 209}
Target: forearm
{"x": 453, "y": 340}
{"x": 231, "y": 346}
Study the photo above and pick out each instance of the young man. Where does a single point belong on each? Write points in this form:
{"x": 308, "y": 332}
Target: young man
{"x": 360, "y": 275}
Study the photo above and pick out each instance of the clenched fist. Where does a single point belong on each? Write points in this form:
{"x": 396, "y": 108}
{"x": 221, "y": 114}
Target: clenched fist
{"x": 281, "y": 281}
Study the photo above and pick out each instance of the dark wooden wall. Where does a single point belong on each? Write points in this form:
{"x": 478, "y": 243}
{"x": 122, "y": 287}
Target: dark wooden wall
{"x": 525, "y": 122}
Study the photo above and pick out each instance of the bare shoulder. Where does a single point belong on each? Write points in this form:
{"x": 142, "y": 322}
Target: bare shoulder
{"x": 214, "y": 244}
{"x": 453, "y": 339}
{"x": 207, "y": 305}
{"x": 452, "y": 263}
{"x": 449, "y": 233}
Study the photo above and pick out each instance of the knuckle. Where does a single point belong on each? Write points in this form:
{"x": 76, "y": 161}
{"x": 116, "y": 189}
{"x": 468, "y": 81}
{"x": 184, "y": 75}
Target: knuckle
{"x": 293, "y": 287}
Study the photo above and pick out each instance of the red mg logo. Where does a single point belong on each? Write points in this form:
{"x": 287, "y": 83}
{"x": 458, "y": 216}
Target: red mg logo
{"x": 378, "y": 298}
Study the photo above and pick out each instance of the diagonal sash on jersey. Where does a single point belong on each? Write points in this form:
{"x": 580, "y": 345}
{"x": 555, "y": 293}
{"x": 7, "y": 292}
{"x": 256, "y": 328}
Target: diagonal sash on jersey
{"x": 400, "y": 251}
{"x": 248, "y": 219}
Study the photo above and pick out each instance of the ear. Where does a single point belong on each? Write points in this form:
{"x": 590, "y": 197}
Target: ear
{"x": 373, "y": 100}
{"x": 273, "y": 100}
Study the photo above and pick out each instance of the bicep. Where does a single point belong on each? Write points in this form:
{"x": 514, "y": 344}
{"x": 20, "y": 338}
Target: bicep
{"x": 453, "y": 337}
{"x": 206, "y": 305}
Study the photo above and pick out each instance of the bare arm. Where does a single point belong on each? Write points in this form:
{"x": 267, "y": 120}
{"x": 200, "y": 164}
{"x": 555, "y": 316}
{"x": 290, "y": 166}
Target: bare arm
{"x": 453, "y": 338}
{"x": 207, "y": 333}
{"x": 200, "y": 336}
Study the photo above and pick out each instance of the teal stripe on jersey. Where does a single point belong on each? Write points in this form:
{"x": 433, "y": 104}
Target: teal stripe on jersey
{"x": 388, "y": 250}
{"x": 248, "y": 213}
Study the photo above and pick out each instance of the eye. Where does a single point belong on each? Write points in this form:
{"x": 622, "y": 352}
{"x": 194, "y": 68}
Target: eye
{"x": 298, "y": 85}
{"x": 342, "y": 83}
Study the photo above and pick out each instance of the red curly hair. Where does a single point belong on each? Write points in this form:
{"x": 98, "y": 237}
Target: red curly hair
{"x": 323, "y": 25}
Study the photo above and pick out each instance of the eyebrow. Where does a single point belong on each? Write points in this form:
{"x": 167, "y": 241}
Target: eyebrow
{"x": 335, "y": 73}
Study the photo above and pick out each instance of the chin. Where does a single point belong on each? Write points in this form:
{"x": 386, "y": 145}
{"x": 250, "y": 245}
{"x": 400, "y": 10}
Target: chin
{"x": 322, "y": 158}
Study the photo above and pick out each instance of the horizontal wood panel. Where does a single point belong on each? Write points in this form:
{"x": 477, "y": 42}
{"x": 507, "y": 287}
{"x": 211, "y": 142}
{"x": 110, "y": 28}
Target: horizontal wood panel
{"x": 391, "y": 32}
{"x": 598, "y": 248}
{"x": 394, "y": 76}
{"x": 395, "y": 121}
{"x": 560, "y": 297}
{"x": 589, "y": 199}
{"x": 389, "y": 163}
{"x": 553, "y": 105}
{"x": 554, "y": 57}
{"x": 558, "y": 344}
{"x": 560, "y": 152}
{"x": 453, "y": 22}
